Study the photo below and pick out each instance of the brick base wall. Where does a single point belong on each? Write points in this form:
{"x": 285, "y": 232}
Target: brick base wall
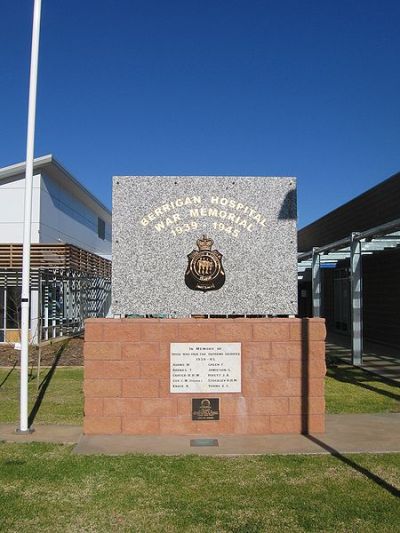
{"x": 127, "y": 377}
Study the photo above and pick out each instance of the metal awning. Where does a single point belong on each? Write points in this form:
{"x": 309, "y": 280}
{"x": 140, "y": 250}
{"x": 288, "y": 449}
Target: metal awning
{"x": 352, "y": 248}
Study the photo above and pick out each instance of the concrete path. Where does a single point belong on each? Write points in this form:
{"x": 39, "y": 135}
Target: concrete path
{"x": 370, "y": 433}
{"x": 57, "y": 433}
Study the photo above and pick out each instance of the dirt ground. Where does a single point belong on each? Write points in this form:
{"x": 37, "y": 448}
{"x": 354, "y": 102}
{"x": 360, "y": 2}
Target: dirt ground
{"x": 64, "y": 353}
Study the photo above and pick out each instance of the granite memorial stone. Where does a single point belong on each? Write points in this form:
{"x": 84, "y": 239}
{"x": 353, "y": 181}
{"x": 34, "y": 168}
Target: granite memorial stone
{"x": 187, "y": 245}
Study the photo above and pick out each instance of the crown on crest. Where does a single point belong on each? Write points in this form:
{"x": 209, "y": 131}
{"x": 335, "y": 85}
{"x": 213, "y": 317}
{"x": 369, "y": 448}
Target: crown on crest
{"x": 205, "y": 243}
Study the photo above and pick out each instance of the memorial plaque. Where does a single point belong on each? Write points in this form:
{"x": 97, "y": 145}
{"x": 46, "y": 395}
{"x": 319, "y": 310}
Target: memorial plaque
{"x": 220, "y": 245}
{"x": 205, "y": 408}
{"x": 205, "y": 367}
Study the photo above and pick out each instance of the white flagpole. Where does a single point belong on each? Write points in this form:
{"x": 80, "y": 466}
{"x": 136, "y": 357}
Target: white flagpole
{"x": 26, "y": 259}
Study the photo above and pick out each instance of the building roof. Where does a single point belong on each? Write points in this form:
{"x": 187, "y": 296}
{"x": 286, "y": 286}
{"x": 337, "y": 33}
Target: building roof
{"x": 375, "y": 207}
{"x": 55, "y": 170}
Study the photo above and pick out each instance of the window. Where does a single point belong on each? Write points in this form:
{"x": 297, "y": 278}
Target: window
{"x": 101, "y": 228}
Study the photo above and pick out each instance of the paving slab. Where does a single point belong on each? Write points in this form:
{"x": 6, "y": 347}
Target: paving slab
{"x": 351, "y": 433}
{"x": 378, "y": 433}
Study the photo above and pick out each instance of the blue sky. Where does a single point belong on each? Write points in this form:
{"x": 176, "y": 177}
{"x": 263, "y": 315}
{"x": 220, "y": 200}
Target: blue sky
{"x": 290, "y": 88}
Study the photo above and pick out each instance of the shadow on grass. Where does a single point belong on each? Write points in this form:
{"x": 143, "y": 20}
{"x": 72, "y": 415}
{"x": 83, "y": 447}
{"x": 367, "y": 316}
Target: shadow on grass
{"x": 352, "y": 375}
{"x": 8, "y": 374}
{"x": 360, "y": 378}
{"x": 352, "y": 464}
{"x": 44, "y": 384}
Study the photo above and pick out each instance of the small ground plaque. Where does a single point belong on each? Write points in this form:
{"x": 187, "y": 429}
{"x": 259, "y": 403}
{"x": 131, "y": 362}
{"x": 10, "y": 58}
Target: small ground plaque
{"x": 205, "y": 367}
{"x": 205, "y": 408}
{"x": 204, "y": 442}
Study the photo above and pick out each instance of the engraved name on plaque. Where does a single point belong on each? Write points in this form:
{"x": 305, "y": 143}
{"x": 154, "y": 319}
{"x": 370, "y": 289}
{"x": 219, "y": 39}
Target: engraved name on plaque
{"x": 205, "y": 367}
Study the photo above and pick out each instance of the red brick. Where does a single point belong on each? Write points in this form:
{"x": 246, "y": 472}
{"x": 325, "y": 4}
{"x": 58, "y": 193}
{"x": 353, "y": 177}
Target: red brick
{"x": 102, "y": 388}
{"x": 123, "y": 406}
{"x": 111, "y": 369}
{"x": 269, "y": 406}
{"x": 102, "y": 350}
{"x": 272, "y": 387}
{"x": 115, "y": 406}
{"x": 165, "y": 389}
{"x": 316, "y": 387}
{"x": 186, "y": 426}
{"x": 197, "y": 332}
{"x": 140, "y": 388}
{"x": 267, "y": 369}
{"x": 271, "y": 400}
{"x": 253, "y": 388}
{"x": 256, "y": 350}
{"x": 273, "y": 330}
{"x": 150, "y": 331}
{"x": 233, "y": 405}
{"x": 316, "y": 424}
{"x": 251, "y": 425}
{"x": 224, "y": 426}
{"x": 168, "y": 332}
{"x": 316, "y": 331}
{"x": 286, "y": 350}
{"x": 315, "y": 369}
{"x": 94, "y": 369}
{"x": 285, "y": 387}
{"x": 314, "y": 405}
{"x": 165, "y": 351}
{"x": 177, "y": 426}
{"x": 316, "y": 349}
{"x": 93, "y": 332}
{"x": 141, "y": 350}
{"x": 159, "y": 407}
{"x": 247, "y": 369}
{"x": 184, "y": 405}
{"x": 295, "y": 329}
{"x": 286, "y": 424}
{"x": 305, "y": 424}
{"x": 232, "y": 332}
{"x": 140, "y": 426}
{"x": 126, "y": 331}
{"x": 102, "y": 425}
{"x": 121, "y": 369}
{"x": 151, "y": 369}
{"x": 93, "y": 406}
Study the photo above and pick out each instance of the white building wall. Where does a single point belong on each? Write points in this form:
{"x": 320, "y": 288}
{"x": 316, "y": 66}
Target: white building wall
{"x": 65, "y": 218}
{"x": 12, "y": 198}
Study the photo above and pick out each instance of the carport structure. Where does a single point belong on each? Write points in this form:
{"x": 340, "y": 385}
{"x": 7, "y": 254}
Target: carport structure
{"x": 349, "y": 251}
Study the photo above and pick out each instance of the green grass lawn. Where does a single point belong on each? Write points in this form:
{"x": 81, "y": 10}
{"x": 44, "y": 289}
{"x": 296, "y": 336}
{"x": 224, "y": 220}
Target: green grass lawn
{"x": 352, "y": 390}
{"x": 348, "y": 390}
{"x": 61, "y": 401}
{"x": 47, "y": 488}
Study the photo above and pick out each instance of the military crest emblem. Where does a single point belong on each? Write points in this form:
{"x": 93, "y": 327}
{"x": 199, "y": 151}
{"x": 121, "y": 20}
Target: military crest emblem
{"x": 204, "y": 271}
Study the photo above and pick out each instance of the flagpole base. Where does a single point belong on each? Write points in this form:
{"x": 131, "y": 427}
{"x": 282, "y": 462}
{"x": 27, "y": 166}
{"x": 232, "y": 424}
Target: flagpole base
{"x": 24, "y": 431}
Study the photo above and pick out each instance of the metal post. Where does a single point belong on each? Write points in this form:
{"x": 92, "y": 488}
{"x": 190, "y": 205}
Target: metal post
{"x": 316, "y": 283}
{"x": 46, "y": 309}
{"x": 5, "y": 307}
{"x": 54, "y": 307}
{"x": 35, "y": 314}
{"x": 26, "y": 264}
{"x": 356, "y": 300}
